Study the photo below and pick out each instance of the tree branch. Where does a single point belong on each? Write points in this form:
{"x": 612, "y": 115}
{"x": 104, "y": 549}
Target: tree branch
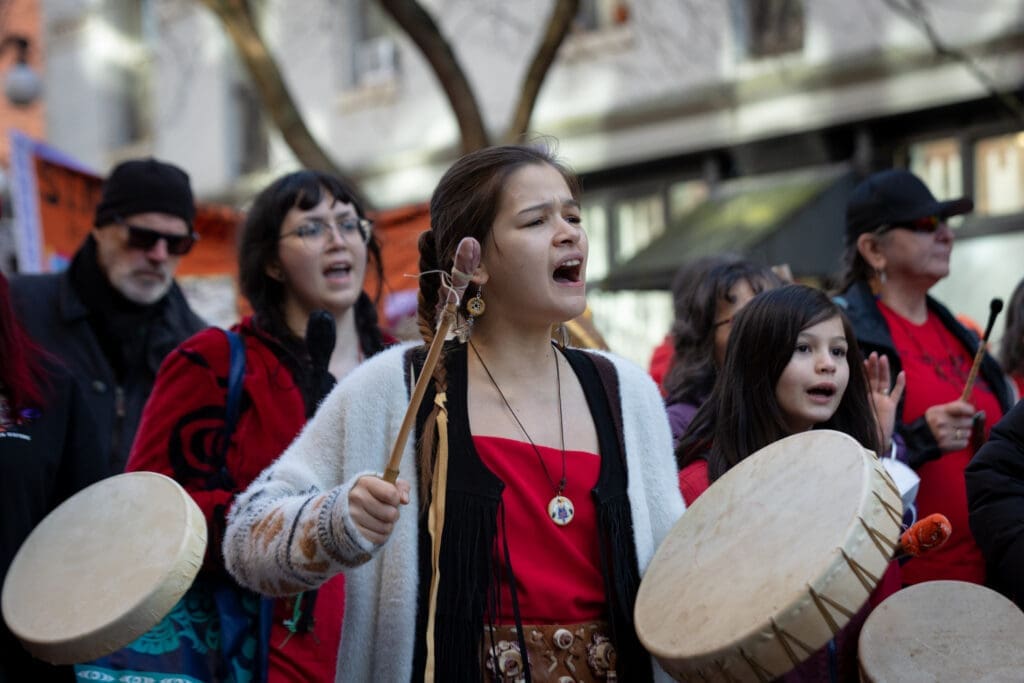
{"x": 273, "y": 92}
{"x": 915, "y": 12}
{"x": 557, "y": 28}
{"x": 417, "y": 23}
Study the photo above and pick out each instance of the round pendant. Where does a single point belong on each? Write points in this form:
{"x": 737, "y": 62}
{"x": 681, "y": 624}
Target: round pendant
{"x": 561, "y": 510}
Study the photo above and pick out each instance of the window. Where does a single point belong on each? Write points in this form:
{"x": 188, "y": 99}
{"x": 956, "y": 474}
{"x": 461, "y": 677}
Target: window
{"x": 252, "y": 152}
{"x": 770, "y": 27}
{"x": 999, "y": 174}
{"x": 374, "y": 51}
{"x": 595, "y": 224}
{"x": 599, "y": 15}
{"x": 129, "y": 73}
{"x": 638, "y": 221}
{"x": 938, "y": 164}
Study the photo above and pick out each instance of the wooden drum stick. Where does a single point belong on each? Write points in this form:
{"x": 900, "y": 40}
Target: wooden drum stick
{"x": 994, "y": 307}
{"x": 467, "y": 258}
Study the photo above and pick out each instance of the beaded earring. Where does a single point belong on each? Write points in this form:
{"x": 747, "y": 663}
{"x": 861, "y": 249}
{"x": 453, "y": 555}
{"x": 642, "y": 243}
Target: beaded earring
{"x": 475, "y": 307}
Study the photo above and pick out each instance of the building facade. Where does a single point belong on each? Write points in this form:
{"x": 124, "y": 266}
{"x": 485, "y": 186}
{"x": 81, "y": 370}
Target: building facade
{"x": 662, "y": 106}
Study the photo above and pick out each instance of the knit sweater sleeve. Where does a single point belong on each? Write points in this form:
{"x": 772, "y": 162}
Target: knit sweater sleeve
{"x": 291, "y": 530}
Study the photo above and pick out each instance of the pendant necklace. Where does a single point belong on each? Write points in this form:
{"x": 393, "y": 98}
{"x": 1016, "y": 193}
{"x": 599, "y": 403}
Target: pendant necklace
{"x": 560, "y": 508}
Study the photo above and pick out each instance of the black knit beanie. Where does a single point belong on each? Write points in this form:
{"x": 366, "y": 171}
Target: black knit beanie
{"x": 144, "y": 186}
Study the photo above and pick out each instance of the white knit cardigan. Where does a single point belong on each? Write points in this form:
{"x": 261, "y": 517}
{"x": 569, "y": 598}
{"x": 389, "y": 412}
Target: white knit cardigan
{"x": 291, "y": 531}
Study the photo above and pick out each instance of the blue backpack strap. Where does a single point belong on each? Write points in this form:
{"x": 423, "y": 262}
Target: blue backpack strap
{"x": 236, "y": 374}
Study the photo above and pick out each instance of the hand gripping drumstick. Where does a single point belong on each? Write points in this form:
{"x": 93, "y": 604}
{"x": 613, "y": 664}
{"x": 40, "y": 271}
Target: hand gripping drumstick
{"x": 994, "y": 307}
{"x": 924, "y": 535}
{"x": 467, "y": 258}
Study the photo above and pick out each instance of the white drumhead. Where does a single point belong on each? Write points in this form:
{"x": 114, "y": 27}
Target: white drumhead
{"x": 104, "y": 567}
{"x": 747, "y": 551}
{"x": 941, "y": 631}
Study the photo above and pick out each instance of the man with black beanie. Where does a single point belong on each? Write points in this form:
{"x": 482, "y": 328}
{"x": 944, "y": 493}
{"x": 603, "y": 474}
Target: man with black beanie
{"x": 114, "y": 314}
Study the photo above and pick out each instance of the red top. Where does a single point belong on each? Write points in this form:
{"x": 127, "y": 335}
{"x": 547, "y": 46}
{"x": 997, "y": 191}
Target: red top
{"x": 937, "y": 367}
{"x": 693, "y": 480}
{"x": 178, "y": 437}
{"x": 557, "y": 568}
{"x": 661, "y": 361}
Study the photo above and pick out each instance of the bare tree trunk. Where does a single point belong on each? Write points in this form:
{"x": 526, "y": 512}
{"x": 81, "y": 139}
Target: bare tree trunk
{"x": 557, "y": 28}
{"x": 417, "y": 23}
{"x": 237, "y": 21}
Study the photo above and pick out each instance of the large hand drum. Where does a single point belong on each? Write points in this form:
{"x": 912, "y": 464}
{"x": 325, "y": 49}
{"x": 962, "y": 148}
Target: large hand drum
{"x": 104, "y": 567}
{"x": 943, "y": 631}
{"x": 771, "y": 561}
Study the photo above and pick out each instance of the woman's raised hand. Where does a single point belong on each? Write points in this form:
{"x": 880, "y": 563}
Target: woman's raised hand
{"x": 884, "y": 394}
{"x": 373, "y": 505}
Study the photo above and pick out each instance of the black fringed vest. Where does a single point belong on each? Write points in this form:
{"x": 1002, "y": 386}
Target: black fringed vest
{"x": 469, "y": 580}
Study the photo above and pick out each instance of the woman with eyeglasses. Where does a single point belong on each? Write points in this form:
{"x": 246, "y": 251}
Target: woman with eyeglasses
{"x": 304, "y": 249}
{"x": 898, "y": 244}
{"x": 708, "y": 292}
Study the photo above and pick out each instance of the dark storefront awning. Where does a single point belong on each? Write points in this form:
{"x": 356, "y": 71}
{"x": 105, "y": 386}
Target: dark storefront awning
{"x": 795, "y": 218}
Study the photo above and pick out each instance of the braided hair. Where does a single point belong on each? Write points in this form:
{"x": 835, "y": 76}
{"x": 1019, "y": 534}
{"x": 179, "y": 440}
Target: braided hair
{"x": 465, "y": 204}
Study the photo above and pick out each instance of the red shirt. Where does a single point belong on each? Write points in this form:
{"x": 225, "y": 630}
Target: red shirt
{"x": 937, "y": 367}
{"x": 557, "y": 568}
{"x": 661, "y": 361}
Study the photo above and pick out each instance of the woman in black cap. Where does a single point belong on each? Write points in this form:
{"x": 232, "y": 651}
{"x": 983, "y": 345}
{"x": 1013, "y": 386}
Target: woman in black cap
{"x": 898, "y": 244}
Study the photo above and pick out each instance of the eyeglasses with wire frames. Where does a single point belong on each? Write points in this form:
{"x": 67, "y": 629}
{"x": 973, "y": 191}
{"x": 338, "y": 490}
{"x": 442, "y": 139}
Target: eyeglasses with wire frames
{"x": 925, "y": 226}
{"x": 144, "y": 239}
{"x": 315, "y": 232}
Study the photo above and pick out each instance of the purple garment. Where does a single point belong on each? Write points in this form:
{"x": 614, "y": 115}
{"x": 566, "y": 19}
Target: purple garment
{"x": 680, "y": 415}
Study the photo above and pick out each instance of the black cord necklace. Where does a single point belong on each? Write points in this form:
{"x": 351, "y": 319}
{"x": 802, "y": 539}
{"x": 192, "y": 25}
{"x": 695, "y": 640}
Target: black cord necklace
{"x": 560, "y": 509}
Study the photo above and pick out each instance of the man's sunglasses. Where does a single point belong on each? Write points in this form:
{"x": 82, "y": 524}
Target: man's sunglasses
{"x": 145, "y": 239}
{"x": 926, "y": 225}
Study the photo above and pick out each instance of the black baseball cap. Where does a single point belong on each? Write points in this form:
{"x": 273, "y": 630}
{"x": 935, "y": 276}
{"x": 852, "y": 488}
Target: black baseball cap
{"x": 893, "y": 197}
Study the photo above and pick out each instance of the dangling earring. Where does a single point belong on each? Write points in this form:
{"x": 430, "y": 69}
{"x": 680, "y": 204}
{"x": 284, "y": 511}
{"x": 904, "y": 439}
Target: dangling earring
{"x": 476, "y": 306}
{"x": 877, "y": 282}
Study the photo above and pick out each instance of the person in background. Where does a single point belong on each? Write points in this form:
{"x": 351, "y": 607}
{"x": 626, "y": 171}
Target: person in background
{"x": 708, "y": 293}
{"x": 995, "y": 500}
{"x": 116, "y": 312}
{"x": 898, "y": 244}
{"x": 48, "y": 451}
{"x": 305, "y": 248}
{"x": 521, "y": 454}
{"x": 792, "y": 364}
{"x": 1011, "y": 350}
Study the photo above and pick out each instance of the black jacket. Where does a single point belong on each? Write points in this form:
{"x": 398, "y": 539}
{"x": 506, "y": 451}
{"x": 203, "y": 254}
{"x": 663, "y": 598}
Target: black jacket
{"x": 56, "y": 316}
{"x": 873, "y": 335}
{"x": 995, "y": 503}
{"x": 43, "y": 461}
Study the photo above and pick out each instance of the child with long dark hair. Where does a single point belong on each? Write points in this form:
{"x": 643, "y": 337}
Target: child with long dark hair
{"x": 792, "y": 364}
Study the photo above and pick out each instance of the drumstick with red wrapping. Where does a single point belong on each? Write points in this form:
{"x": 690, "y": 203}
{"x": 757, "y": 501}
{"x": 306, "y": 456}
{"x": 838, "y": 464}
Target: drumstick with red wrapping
{"x": 924, "y": 536}
{"x": 467, "y": 258}
{"x": 994, "y": 307}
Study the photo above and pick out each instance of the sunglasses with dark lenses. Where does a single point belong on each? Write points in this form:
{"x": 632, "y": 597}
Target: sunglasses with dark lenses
{"x": 145, "y": 239}
{"x": 926, "y": 225}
